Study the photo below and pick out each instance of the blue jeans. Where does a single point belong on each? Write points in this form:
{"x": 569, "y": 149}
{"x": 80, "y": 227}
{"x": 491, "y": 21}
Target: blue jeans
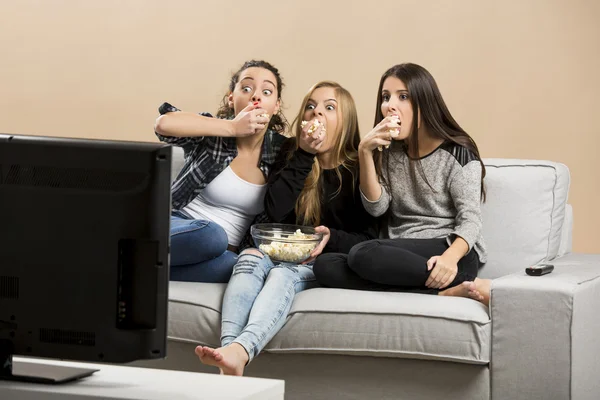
{"x": 199, "y": 251}
{"x": 258, "y": 299}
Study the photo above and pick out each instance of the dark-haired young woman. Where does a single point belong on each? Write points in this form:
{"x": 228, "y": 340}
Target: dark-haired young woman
{"x": 220, "y": 190}
{"x": 421, "y": 170}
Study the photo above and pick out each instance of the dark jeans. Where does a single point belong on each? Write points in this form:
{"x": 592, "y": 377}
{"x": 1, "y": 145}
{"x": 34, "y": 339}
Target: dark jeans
{"x": 199, "y": 251}
{"x": 389, "y": 265}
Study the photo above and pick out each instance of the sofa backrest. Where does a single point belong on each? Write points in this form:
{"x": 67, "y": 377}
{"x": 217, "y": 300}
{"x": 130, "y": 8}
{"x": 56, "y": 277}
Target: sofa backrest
{"x": 177, "y": 163}
{"x": 526, "y": 218}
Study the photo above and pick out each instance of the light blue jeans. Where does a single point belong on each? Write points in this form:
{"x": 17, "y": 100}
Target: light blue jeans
{"x": 258, "y": 299}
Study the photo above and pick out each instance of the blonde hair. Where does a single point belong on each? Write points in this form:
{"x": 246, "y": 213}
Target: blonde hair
{"x": 345, "y": 152}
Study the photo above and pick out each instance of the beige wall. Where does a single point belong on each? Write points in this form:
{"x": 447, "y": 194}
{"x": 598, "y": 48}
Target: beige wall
{"x": 522, "y": 76}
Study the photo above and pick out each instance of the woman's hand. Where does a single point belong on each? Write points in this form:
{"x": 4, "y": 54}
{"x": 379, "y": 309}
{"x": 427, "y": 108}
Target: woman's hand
{"x": 381, "y": 135}
{"x": 319, "y": 249}
{"x": 310, "y": 142}
{"x": 443, "y": 273}
{"x": 250, "y": 121}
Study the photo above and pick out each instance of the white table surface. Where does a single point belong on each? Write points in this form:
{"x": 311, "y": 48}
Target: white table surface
{"x": 132, "y": 383}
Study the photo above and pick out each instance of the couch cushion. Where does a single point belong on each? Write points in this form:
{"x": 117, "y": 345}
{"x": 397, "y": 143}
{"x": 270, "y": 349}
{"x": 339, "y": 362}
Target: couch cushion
{"x": 566, "y": 237}
{"x": 524, "y": 213}
{"x": 337, "y": 321}
{"x": 195, "y": 312}
{"x": 177, "y": 162}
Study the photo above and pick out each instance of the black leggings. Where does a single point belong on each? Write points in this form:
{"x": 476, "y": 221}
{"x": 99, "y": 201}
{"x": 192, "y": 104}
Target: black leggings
{"x": 389, "y": 265}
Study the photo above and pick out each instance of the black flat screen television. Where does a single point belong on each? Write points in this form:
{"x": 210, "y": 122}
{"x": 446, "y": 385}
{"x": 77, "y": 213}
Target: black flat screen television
{"x": 84, "y": 253}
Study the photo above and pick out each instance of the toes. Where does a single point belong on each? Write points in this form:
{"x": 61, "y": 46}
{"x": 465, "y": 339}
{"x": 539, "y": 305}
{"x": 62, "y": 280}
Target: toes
{"x": 474, "y": 294}
{"x": 212, "y": 353}
{"x": 470, "y": 286}
{"x": 208, "y": 351}
{"x": 217, "y": 356}
{"x": 199, "y": 351}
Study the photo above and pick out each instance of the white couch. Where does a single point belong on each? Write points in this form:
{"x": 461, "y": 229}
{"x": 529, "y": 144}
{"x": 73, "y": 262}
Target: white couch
{"x": 538, "y": 339}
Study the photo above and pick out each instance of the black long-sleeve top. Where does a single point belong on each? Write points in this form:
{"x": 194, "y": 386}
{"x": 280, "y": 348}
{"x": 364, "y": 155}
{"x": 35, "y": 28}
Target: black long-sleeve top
{"x": 343, "y": 213}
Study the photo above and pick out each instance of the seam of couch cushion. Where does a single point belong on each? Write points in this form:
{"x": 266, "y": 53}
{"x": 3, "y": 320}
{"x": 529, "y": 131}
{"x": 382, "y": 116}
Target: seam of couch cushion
{"x": 566, "y": 233}
{"x": 586, "y": 281}
{"x": 353, "y": 352}
{"x": 552, "y": 222}
{"x": 183, "y": 340}
{"x": 190, "y": 303}
{"x": 378, "y": 353}
{"x": 402, "y": 314}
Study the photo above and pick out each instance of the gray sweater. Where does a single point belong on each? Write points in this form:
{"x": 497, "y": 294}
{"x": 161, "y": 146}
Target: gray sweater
{"x": 415, "y": 211}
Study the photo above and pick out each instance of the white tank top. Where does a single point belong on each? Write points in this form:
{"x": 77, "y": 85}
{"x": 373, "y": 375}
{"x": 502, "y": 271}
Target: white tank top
{"x": 229, "y": 201}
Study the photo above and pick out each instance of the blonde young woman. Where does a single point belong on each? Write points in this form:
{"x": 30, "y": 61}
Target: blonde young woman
{"x": 315, "y": 183}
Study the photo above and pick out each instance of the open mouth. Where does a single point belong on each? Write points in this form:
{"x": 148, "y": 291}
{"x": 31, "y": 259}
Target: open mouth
{"x": 314, "y": 124}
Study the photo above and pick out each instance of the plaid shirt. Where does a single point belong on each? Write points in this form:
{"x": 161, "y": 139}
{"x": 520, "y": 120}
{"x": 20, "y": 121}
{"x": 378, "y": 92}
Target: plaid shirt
{"x": 208, "y": 156}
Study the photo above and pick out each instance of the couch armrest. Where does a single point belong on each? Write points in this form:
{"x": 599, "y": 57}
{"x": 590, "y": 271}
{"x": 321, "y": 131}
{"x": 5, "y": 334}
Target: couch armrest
{"x": 544, "y": 329}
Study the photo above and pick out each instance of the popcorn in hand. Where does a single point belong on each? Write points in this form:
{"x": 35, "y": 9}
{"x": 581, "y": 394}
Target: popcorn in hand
{"x": 394, "y": 132}
{"x": 314, "y": 126}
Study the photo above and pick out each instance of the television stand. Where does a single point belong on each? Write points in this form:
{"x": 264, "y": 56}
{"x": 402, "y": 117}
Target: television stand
{"x": 24, "y": 371}
{"x": 116, "y": 382}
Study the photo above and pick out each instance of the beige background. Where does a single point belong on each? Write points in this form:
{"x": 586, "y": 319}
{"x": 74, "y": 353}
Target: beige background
{"x": 522, "y": 76}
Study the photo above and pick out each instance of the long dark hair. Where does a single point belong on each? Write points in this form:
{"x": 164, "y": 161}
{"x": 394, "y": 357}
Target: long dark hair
{"x": 278, "y": 122}
{"x": 426, "y": 101}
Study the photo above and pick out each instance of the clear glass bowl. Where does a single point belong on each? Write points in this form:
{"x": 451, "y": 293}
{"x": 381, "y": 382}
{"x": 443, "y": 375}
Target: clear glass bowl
{"x": 285, "y": 242}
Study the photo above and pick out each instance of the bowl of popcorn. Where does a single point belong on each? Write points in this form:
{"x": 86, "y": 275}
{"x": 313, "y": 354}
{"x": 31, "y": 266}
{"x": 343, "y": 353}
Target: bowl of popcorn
{"x": 285, "y": 242}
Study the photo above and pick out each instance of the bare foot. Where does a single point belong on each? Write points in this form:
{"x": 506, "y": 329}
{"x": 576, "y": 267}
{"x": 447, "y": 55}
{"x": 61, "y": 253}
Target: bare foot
{"x": 478, "y": 290}
{"x": 208, "y": 355}
{"x": 230, "y": 359}
{"x": 484, "y": 286}
{"x": 465, "y": 289}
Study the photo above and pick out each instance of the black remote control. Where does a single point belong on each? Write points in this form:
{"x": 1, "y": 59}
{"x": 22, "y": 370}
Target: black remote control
{"x": 540, "y": 269}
